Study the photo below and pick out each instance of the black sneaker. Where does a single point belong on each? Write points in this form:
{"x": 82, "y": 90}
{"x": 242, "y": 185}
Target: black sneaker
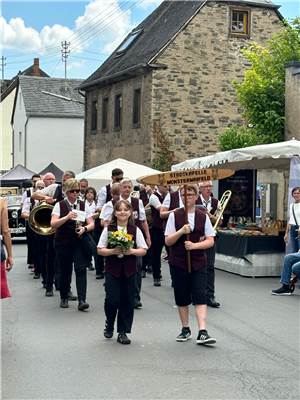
{"x": 184, "y": 335}
{"x": 156, "y": 282}
{"x": 283, "y": 291}
{"x": 204, "y": 338}
{"x": 138, "y": 305}
{"x": 100, "y": 275}
{"x": 123, "y": 338}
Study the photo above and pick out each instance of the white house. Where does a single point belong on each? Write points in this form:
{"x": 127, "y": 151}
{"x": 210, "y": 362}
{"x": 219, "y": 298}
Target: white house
{"x": 8, "y": 93}
{"x": 48, "y": 123}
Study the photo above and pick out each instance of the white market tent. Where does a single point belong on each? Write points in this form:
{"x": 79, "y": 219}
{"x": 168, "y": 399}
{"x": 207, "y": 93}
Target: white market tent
{"x": 101, "y": 175}
{"x": 265, "y": 156}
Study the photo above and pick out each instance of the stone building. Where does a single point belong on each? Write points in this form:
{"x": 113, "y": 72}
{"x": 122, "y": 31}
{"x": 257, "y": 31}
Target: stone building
{"x": 172, "y": 76}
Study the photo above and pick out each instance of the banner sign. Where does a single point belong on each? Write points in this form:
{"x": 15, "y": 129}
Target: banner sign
{"x": 185, "y": 176}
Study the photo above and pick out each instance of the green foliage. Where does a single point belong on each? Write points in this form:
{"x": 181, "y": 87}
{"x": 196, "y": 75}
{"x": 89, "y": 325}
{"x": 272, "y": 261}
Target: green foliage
{"x": 164, "y": 157}
{"x": 261, "y": 93}
{"x": 237, "y": 136}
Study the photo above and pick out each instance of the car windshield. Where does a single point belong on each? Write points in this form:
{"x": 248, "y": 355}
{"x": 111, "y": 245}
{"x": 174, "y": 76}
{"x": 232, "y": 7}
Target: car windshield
{"x": 14, "y": 200}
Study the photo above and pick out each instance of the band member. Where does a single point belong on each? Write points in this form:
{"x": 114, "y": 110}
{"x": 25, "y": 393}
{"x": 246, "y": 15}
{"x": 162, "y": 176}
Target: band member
{"x": 104, "y": 194}
{"x": 25, "y": 198}
{"x": 83, "y": 185}
{"x": 210, "y": 204}
{"x": 52, "y": 194}
{"x": 120, "y": 272}
{"x": 106, "y": 212}
{"x": 140, "y": 221}
{"x": 157, "y": 231}
{"x": 34, "y": 241}
{"x": 190, "y": 287}
{"x": 69, "y": 242}
{"x": 90, "y": 198}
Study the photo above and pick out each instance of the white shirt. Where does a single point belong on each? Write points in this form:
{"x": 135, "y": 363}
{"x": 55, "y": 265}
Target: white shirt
{"x": 56, "y": 209}
{"x": 90, "y": 207}
{"x": 101, "y": 196}
{"x": 27, "y": 204}
{"x": 154, "y": 201}
{"x": 297, "y": 214}
{"x": 140, "y": 241}
{"x": 24, "y": 195}
{"x": 49, "y": 190}
{"x": 170, "y": 228}
{"x": 108, "y": 208}
{"x": 167, "y": 201}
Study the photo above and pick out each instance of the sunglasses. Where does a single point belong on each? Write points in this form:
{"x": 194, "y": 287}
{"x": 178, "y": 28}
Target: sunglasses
{"x": 74, "y": 191}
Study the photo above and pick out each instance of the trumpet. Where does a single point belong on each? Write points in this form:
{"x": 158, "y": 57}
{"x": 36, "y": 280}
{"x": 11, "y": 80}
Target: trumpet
{"x": 222, "y": 205}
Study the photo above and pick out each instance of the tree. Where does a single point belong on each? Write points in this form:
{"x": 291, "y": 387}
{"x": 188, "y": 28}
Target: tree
{"x": 164, "y": 157}
{"x": 261, "y": 93}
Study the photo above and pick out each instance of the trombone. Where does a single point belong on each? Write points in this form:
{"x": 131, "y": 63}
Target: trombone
{"x": 222, "y": 205}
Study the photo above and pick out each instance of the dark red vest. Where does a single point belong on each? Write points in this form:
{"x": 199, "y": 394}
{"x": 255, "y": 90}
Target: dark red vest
{"x": 126, "y": 265}
{"x": 177, "y": 256}
{"x": 108, "y": 193}
{"x": 144, "y": 197}
{"x": 174, "y": 200}
{"x": 214, "y": 204}
{"x": 157, "y": 222}
{"x": 66, "y": 235}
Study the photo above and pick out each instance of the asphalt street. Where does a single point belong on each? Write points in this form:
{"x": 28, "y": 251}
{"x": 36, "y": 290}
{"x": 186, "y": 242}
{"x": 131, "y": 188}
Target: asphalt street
{"x": 53, "y": 353}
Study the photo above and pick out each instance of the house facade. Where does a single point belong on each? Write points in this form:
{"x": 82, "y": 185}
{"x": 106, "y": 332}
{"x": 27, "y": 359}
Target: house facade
{"x": 48, "y": 123}
{"x": 172, "y": 76}
{"x": 8, "y": 93}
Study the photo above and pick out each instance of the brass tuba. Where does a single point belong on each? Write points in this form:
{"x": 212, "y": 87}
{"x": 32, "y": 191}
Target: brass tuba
{"x": 222, "y": 205}
{"x": 39, "y": 219}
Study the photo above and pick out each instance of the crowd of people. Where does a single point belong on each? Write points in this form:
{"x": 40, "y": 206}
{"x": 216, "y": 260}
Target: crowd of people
{"x": 142, "y": 220}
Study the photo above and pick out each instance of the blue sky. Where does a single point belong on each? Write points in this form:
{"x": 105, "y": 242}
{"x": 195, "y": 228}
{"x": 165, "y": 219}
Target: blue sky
{"x": 94, "y": 28}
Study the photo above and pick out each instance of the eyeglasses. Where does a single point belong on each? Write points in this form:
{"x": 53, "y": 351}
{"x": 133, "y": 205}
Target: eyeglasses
{"x": 40, "y": 187}
{"x": 74, "y": 191}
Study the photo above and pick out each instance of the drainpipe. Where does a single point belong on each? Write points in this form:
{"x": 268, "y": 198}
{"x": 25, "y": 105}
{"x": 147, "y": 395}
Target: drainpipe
{"x": 25, "y": 144}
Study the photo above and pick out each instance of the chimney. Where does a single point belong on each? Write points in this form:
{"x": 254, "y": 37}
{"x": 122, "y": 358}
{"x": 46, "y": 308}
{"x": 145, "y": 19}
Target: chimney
{"x": 36, "y": 67}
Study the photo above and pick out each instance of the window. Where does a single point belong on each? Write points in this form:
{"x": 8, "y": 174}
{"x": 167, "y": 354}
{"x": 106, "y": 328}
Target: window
{"x": 104, "y": 113}
{"x": 240, "y": 22}
{"x": 128, "y": 41}
{"x": 94, "y": 116}
{"x": 136, "y": 115}
{"x": 118, "y": 111}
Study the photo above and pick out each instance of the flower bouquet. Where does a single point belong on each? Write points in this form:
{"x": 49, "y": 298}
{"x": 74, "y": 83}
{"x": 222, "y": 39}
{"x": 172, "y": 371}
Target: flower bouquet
{"x": 120, "y": 239}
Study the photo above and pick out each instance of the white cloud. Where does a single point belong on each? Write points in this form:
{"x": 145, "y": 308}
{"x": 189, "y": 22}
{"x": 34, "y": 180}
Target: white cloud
{"x": 103, "y": 21}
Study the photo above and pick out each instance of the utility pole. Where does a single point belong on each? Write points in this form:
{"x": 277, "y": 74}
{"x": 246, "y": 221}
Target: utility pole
{"x": 65, "y": 53}
{"x": 3, "y": 64}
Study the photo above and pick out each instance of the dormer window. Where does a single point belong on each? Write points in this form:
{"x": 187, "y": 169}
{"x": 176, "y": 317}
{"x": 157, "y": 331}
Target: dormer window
{"x": 128, "y": 41}
{"x": 239, "y": 22}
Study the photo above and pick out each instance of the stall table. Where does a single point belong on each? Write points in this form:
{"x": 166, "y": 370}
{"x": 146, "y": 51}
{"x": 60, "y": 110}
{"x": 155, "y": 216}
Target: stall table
{"x": 250, "y": 255}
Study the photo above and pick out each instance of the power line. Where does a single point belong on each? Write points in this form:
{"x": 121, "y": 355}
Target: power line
{"x": 65, "y": 54}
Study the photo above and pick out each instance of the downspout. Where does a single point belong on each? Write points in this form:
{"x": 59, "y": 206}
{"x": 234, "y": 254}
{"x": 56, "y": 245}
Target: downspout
{"x": 83, "y": 94}
{"x": 12, "y": 154}
{"x": 25, "y": 143}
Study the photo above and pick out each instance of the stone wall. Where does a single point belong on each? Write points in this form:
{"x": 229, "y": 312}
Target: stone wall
{"x": 130, "y": 143}
{"x": 292, "y": 100}
{"x": 194, "y": 98}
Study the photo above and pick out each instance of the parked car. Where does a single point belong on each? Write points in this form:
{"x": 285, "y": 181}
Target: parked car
{"x": 16, "y": 223}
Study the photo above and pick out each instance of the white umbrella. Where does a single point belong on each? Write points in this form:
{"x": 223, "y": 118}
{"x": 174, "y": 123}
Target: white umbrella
{"x": 101, "y": 175}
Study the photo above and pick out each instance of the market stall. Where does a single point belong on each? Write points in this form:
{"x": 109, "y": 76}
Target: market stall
{"x": 246, "y": 247}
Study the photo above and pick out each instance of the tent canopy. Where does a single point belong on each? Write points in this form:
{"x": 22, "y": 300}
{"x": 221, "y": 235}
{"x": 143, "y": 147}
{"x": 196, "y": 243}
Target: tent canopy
{"x": 57, "y": 172}
{"x": 101, "y": 175}
{"x": 265, "y": 156}
{"x": 16, "y": 176}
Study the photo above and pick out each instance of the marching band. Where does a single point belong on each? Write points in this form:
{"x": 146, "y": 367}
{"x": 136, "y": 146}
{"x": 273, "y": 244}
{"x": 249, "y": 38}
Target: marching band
{"x": 69, "y": 223}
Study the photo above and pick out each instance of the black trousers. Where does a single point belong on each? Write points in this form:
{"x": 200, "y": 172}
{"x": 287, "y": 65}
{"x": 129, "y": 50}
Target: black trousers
{"x": 158, "y": 241}
{"x": 210, "y": 288}
{"x": 30, "y": 240}
{"x": 119, "y": 301}
{"x": 40, "y": 255}
{"x": 50, "y": 262}
{"x": 138, "y": 280}
{"x": 66, "y": 257}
